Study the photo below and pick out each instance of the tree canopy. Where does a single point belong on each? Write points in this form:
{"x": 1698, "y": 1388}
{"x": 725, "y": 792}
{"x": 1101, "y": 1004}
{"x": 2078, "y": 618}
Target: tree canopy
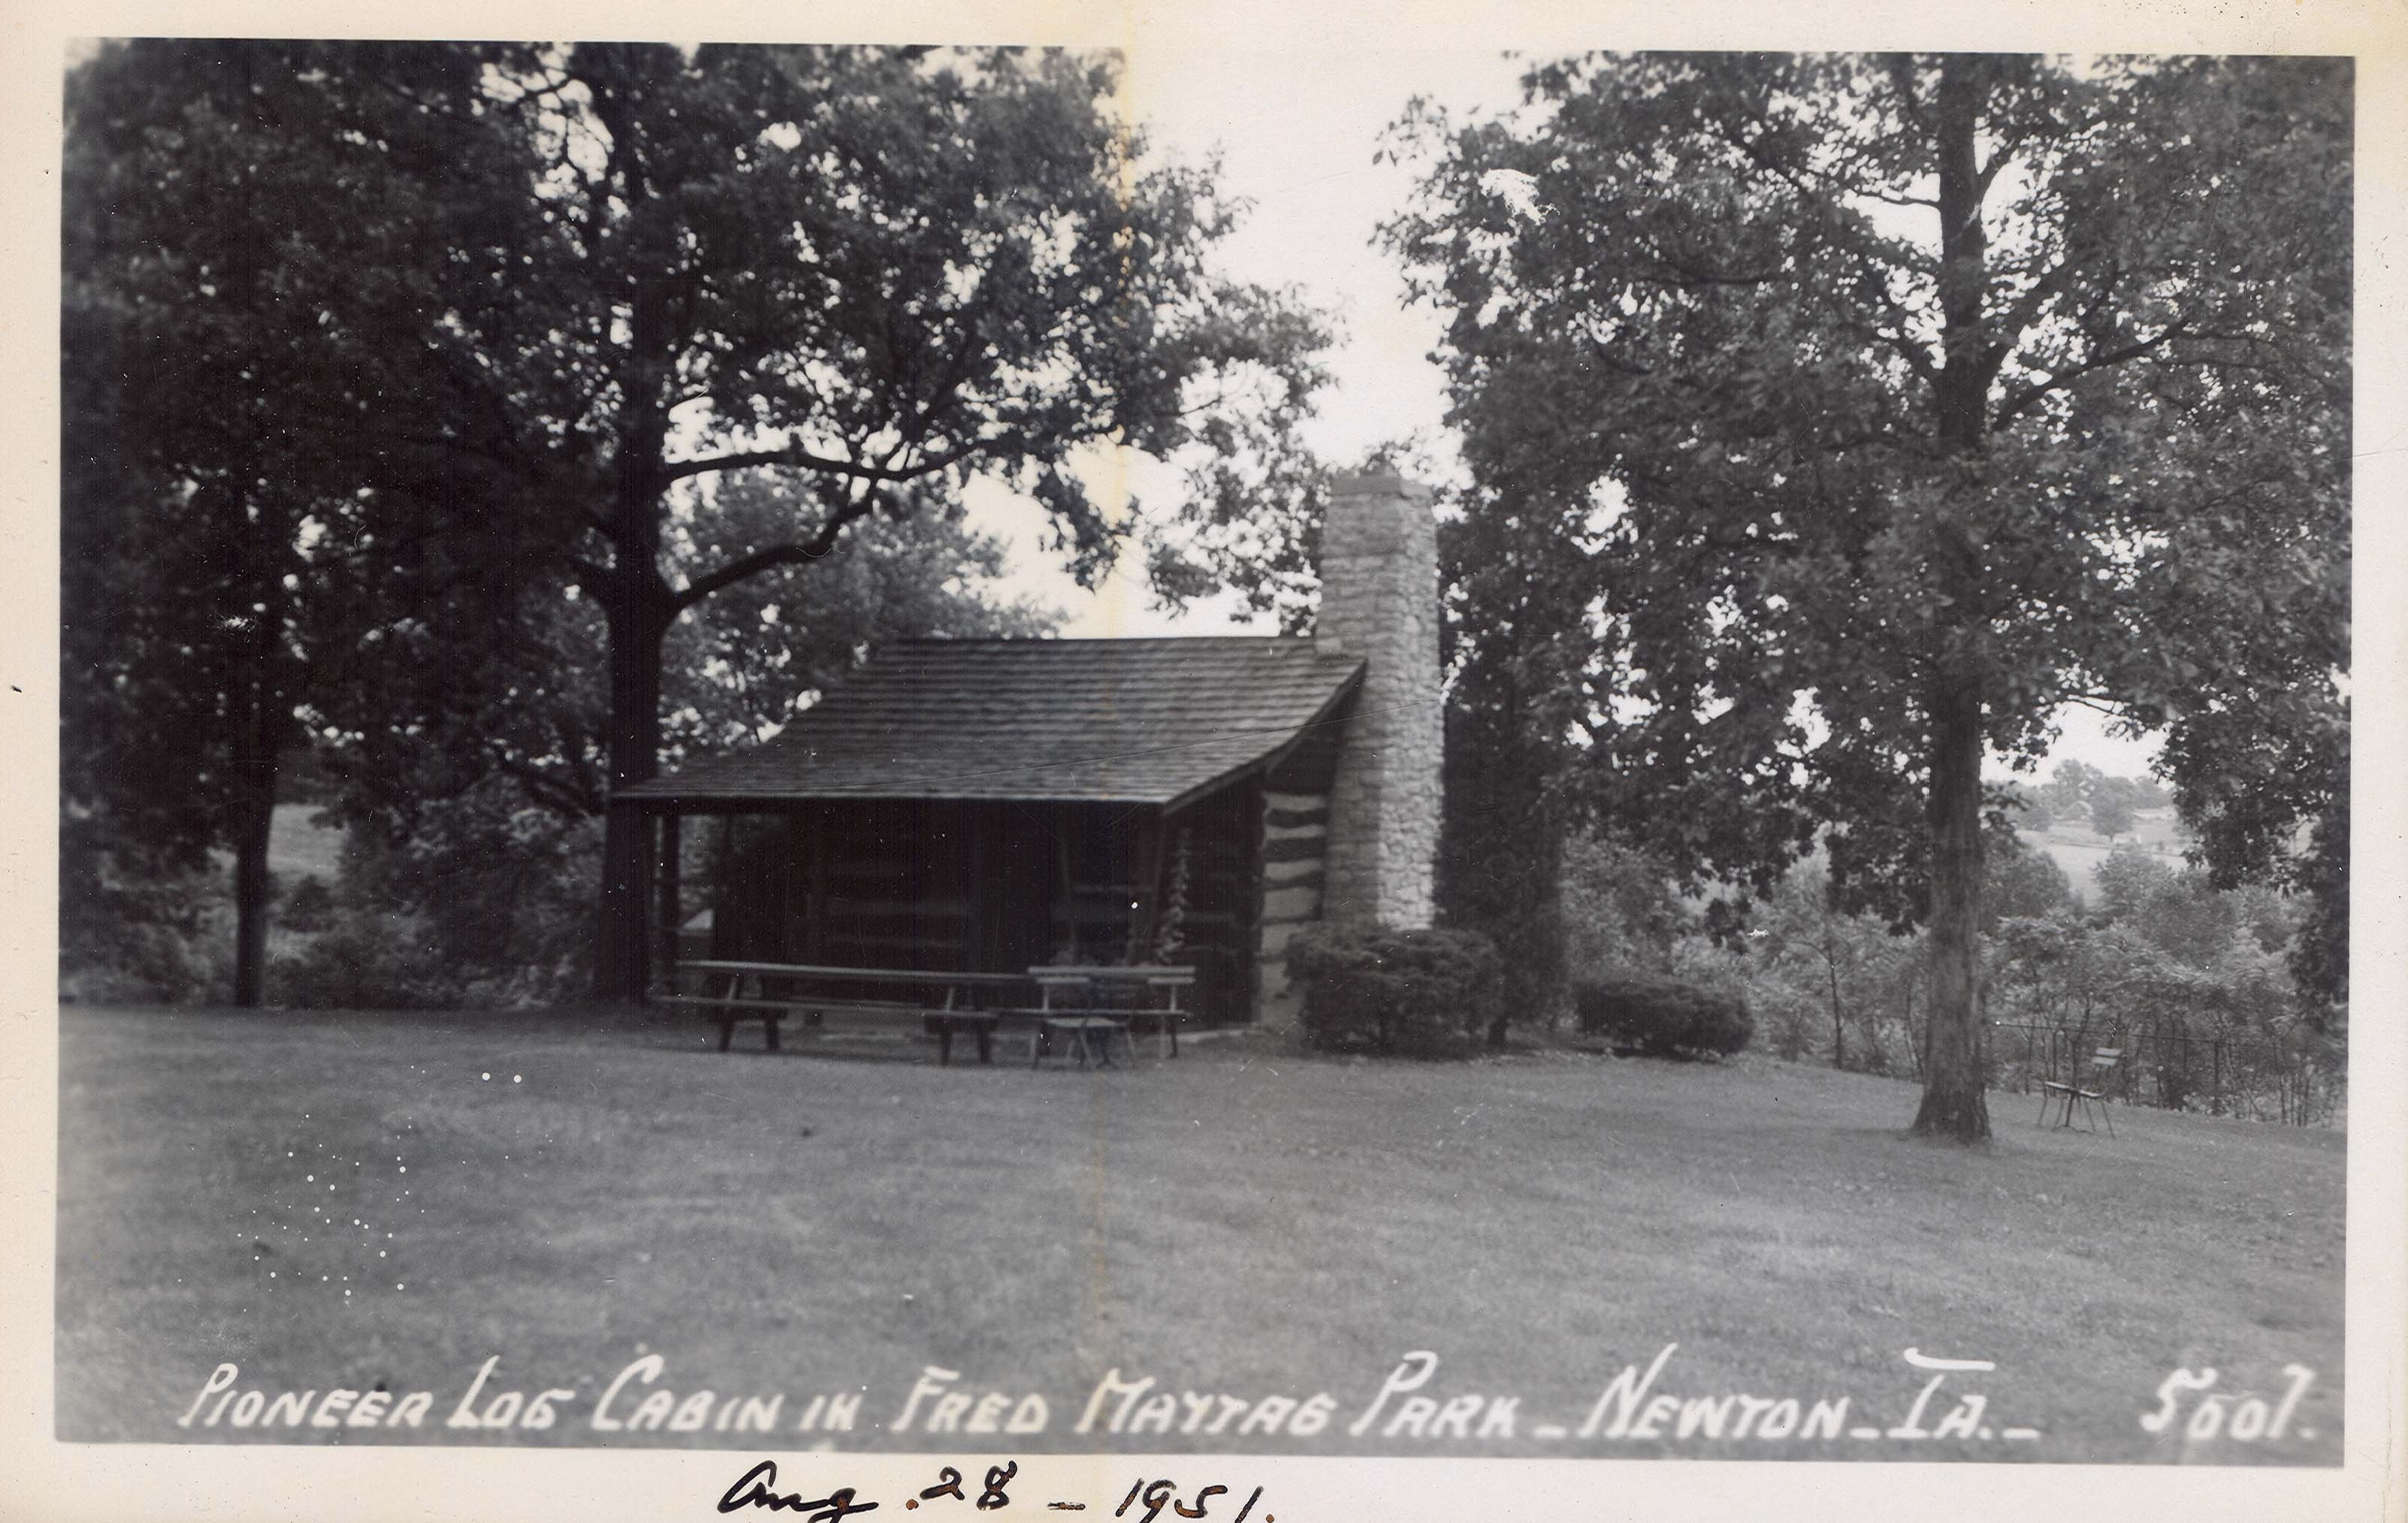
{"x": 259, "y": 241}
{"x": 586, "y": 282}
{"x": 1891, "y": 404}
{"x": 882, "y": 271}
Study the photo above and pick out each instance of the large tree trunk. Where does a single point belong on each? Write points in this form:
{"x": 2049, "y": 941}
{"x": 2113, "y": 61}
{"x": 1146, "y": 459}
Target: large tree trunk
{"x": 1952, "y": 1102}
{"x": 259, "y": 737}
{"x": 251, "y": 892}
{"x": 621, "y": 953}
{"x": 637, "y": 602}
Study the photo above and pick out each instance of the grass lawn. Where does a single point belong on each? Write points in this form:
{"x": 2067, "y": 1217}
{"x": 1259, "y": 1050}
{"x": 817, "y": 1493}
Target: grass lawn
{"x": 349, "y": 1200}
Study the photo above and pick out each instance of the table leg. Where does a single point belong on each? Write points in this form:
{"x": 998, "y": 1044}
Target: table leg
{"x": 944, "y": 1043}
{"x": 986, "y": 1042}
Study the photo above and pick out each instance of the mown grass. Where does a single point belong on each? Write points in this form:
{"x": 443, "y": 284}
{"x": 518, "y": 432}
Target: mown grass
{"x": 1237, "y": 1221}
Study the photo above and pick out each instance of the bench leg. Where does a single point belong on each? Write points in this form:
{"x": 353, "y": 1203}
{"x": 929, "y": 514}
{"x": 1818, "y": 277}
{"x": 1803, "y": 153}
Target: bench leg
{"x": 986, "y": 1042}
{"x": 770, "y": 1023}
{"x": 945, "y": 1043}
{"x": 726, "y": 1033}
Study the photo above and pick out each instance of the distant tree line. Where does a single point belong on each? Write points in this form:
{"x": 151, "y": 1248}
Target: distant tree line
{"x": 2080, "y": 794}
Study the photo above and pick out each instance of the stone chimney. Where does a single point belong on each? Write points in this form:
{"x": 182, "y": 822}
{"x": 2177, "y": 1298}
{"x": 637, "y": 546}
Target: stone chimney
{"x": 1378, "y": 602}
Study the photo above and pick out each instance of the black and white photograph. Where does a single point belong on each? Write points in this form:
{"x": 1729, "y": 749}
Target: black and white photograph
{"x": 1310, "y": 773}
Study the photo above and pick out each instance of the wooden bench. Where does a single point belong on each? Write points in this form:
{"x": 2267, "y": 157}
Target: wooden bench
{"x": 724, "y": 984}
{"x": 1068, "y": 1009}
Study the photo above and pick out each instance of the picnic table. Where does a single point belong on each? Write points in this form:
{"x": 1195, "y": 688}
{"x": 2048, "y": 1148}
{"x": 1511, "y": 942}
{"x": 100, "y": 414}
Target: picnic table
{"x": 775, "y": 996}
{"x": 1079, "y": 1008}
{"x": 1069, "y": 1007}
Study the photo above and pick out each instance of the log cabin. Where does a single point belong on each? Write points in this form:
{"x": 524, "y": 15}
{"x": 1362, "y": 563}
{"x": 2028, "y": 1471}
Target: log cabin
{"x": 992, "y": 805}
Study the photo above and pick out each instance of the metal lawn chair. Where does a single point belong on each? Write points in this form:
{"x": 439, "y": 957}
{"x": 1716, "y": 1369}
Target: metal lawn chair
{"x": 2073, "y": 1096}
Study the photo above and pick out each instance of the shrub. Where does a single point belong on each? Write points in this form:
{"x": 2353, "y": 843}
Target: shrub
{"x": 128, "y": 940}
{"x": 1412, "y": 993}
{"x": 366, "y": 959}
{"x": 1664, "y": 1017}
{"x": 309, "y": 907}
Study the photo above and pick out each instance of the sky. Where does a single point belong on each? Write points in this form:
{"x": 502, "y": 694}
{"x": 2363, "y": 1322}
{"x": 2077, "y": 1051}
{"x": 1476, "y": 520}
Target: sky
{"x": 1296, "y": 130}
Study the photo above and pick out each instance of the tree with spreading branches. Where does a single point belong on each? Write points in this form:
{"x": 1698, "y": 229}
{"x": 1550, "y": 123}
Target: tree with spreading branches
{"x": 272, "y": 255}
{"x": 1892, "y": 404}
{"x": 875, "y": 274}
{"x": 879, "y": 272}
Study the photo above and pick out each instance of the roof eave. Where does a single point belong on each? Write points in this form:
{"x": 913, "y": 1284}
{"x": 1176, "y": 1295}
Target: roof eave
{"x": 1278, "y": 754}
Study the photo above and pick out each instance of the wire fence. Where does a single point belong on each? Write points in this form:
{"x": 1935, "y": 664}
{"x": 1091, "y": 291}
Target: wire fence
{"x": 2172, "y": 1070}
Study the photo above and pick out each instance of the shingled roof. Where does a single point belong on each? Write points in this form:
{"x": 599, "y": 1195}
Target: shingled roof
{"x": 1120, "y": 721}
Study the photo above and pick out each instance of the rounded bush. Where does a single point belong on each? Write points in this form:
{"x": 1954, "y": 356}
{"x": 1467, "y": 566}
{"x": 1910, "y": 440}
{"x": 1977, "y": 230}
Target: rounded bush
{"x": 1411, "y": 992}
{"x": 1664, "y": 1017}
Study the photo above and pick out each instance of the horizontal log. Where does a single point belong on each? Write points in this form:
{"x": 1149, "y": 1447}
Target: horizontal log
{"x": 1310, "y": 848}
{"x": 847, "y": 904}
{"x": 907, "y": 944}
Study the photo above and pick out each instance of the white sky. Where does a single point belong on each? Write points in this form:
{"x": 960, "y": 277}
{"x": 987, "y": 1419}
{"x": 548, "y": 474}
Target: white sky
{"x": 1295, "y": 130}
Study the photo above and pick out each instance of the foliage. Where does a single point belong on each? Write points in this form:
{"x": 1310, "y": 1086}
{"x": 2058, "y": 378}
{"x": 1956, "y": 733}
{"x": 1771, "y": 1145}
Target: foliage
{"x": 776, "y": 641}
{"x": 2190, "y": 980}
{"x": 437, "y": 348}
{"x": 309, "y": 907}
{"x": 1891, "y": 403}
{"x": 1664, "y": 1017}
{"x": 368, "y": 959}
{"x": 2112, "y": 813}
{"x": 2027, "y": 808}
{"x": 1499, "y": 870}
{"x": 2112, "y": 804}
{"x": 1620, "y": 908}
{"x": 1513, "y": 697}
{"x": 1407, "y": 993}
{"x": 139, "y": 939}
{"x": 1856, "y": 974}
{"x": 771, "y": 646}
{"x": 486, "y": 900}
{"x": 2018, "y": 880}
{"x": 880, "y": 272}
{"x": 258, "y": 240}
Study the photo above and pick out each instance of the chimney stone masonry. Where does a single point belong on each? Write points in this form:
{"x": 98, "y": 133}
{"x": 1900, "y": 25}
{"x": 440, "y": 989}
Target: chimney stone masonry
{"x": 1380, "y": 601}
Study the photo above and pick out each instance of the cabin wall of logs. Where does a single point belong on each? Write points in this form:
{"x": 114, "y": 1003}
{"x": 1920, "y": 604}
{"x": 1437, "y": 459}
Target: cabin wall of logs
{"x": 990, "y": 886}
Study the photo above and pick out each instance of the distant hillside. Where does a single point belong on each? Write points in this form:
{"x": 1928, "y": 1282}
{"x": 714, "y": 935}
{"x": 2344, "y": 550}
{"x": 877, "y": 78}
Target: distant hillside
{"x": 297, "y": 848}
{"x": 2079, "y": 850}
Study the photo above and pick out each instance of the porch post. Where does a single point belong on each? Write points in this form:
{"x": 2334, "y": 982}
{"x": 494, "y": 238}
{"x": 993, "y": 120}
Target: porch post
{"x": 1151, "y": 829}
{"x": 672, "y": 913}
